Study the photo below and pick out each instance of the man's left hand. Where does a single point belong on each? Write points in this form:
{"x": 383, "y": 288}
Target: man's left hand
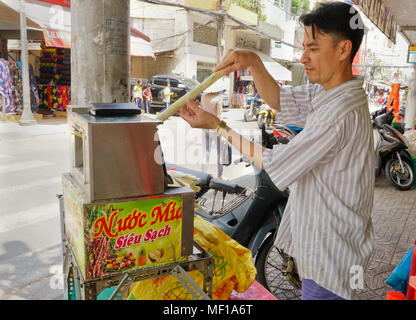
{"x": 196, "y": 117}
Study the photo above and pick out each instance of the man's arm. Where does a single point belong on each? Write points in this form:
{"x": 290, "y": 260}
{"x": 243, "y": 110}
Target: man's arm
{"x": 267, "y": 87}
{"x": 250, "y": 150}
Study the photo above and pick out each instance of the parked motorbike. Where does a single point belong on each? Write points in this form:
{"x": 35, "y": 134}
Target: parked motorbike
{"x": 391, "y": 153}
{"x": 266, "y": 116}
{"x": 252, "y": 108}
{"x": 283, "y": 134}
{"x": 252, "y": 218}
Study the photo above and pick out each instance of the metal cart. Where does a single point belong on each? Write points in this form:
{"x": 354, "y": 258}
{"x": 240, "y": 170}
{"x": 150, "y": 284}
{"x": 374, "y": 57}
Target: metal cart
{"x": 114, "y": 161}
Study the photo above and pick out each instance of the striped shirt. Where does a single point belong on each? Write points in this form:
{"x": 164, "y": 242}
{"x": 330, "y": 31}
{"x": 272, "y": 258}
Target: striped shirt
{"x": 329, "y": 168}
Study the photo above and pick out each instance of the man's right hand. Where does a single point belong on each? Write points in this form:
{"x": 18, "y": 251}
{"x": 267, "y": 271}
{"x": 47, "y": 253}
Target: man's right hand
{"x": 236, "y": 60}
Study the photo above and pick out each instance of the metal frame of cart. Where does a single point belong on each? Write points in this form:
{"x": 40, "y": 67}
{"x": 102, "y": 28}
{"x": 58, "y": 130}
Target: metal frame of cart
{"x": 90, "y": 289}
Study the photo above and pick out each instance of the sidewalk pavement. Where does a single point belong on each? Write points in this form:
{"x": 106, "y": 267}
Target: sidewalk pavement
{"x": 394, "y": 221}
{"x": 13, "y": 130}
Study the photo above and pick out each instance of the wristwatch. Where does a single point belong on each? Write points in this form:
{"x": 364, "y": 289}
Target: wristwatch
{"x": 221, "y": 125}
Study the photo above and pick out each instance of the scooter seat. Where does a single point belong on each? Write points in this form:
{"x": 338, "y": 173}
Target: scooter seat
{"x": 204, "y": 178}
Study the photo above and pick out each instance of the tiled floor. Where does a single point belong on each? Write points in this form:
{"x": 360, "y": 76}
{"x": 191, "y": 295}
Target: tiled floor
{"x": 394, "y": 220}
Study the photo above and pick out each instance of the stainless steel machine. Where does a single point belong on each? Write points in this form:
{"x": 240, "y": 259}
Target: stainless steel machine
{"x": 121, "y": 219}
{"x": 115, "y": 157}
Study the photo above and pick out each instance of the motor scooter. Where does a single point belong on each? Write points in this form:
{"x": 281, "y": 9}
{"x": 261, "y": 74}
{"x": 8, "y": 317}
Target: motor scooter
{"x": 252, "y": 109}
{"x": 391, "y": 153}
{"x": 252, "y": 218}
{"x": 266, "y": 116}
{"x": 283, "y": 134}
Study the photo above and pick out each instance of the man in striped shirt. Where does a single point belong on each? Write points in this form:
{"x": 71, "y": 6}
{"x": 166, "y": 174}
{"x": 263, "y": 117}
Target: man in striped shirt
{"x": 329, "y": 166}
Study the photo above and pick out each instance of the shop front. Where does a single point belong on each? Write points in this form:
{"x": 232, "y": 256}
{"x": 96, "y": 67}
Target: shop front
{"x": 49, "y": 74}
{"x": 49, "y": 56}
{"x": 11, "y": 88}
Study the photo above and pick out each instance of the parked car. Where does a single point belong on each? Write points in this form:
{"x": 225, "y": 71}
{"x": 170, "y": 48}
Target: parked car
{"x": 179, "y": 87}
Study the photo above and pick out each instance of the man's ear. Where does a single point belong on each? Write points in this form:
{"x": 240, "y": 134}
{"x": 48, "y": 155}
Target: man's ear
{"x": 345, "y": 47}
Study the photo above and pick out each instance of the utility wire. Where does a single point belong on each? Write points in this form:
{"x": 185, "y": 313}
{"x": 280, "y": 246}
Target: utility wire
{"x": 220, "y": 14}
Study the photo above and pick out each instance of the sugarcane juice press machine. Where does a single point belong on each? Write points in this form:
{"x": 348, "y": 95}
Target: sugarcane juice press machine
{"x": 121, "y": 221}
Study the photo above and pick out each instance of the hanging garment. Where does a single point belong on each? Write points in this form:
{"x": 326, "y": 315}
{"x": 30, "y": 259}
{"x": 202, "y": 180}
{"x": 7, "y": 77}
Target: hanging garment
{"x": 6, "y": 83}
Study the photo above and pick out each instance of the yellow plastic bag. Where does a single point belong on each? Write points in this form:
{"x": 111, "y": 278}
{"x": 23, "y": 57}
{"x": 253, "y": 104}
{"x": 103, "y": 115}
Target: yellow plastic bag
{"x": 234, "y": 269}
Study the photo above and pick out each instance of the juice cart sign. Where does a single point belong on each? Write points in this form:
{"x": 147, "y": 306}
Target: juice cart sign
{"x": 411, "y": 57}
{"x": 129, "y": 235}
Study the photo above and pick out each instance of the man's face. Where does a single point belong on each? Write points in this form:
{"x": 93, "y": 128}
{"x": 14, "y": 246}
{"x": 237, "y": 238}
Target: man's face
{"x": 320, "y": 56}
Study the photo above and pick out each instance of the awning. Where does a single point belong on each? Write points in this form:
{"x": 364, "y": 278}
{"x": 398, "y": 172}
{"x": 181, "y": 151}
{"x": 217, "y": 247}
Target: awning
{"x": 56, "y": 24}
{"x": 139, "y": 43}
{"x": 276, "y": 70}
{"x": 57, "y": 38}
{"x": 10, "y": 25}
{"x": 45, "y": 15}
{"x": 381, "y": 16}
{"x": 10, "y": 18}
{"x": 139, "y": 46}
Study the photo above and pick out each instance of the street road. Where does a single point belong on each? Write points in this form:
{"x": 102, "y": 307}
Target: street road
{"x": 32, "y": 161}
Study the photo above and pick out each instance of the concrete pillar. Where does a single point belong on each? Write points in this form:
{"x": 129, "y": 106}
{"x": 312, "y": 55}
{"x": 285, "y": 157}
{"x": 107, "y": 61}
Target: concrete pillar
{"x": 100, "y": 51}
{"x": 411, "y": 103}
{"x": 27, "y": 116}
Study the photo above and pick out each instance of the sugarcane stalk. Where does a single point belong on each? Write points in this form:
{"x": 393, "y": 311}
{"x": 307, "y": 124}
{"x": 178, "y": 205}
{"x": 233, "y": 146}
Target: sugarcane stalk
{"x": 190, "y": 95}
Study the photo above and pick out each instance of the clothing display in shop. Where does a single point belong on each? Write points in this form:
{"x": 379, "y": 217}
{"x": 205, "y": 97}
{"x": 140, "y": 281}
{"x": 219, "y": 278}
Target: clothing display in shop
{"x": 11, "y": 85}
{"x": 5, "y": 82}
{"x": 56, "y": 97}
{"x": 55, "y": 78}
{"x": 17, "y": 88}
{"x": 239, "y": 99}
{"x": 34, "y": 92}
{"x": 63, "y": 68}
{"x": 55, "y": 64}
{"x": 244, "y": 73}
{"x": 47, "y": 64}
{"x": 243, "y": 87}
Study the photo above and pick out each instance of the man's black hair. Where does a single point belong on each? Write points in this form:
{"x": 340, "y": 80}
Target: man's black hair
{"x": 338, "y": 19}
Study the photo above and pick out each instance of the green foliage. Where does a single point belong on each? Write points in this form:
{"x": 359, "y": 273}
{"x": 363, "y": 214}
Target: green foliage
{"x": 300, "y": 6}
{"x": 306, "y": 5}
{"x": 295, "y": 4}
